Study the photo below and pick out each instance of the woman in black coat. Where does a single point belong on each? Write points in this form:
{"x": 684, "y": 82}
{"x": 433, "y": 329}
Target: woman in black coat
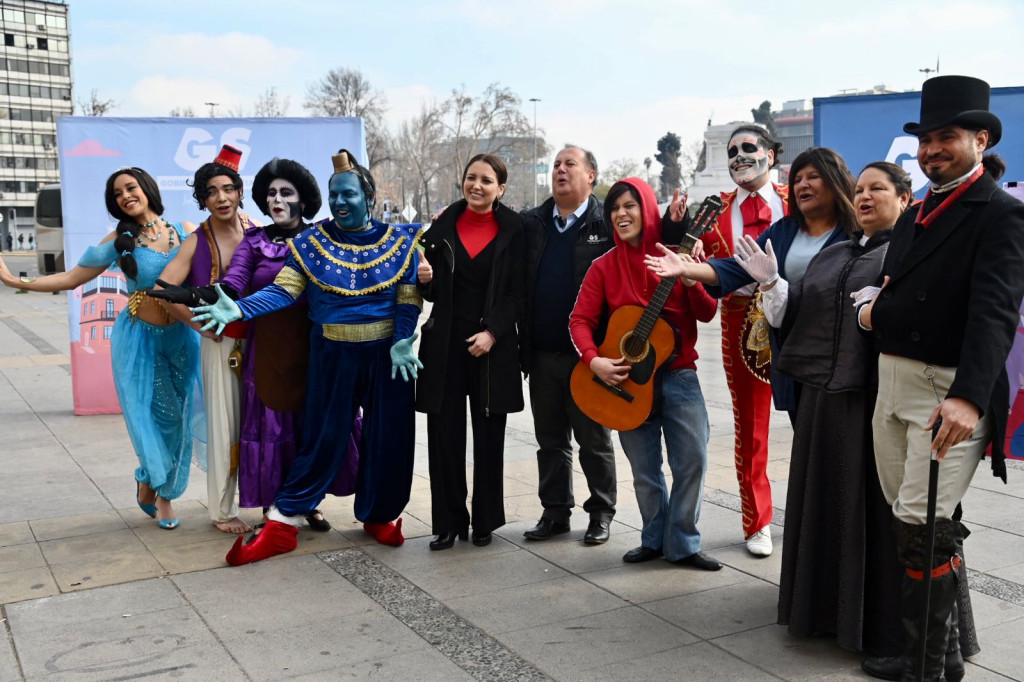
{"x": 474, "y": 274}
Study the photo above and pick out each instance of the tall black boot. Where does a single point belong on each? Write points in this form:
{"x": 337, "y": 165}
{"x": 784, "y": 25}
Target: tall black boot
{"x": 954, "y": 663}
{"x": 912, "y": 545}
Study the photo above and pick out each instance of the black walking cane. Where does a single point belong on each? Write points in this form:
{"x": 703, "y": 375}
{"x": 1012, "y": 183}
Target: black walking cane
{"x": 929, "y": 528}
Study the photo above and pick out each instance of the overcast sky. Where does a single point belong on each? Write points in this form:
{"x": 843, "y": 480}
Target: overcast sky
{"x": 611, "y": 76}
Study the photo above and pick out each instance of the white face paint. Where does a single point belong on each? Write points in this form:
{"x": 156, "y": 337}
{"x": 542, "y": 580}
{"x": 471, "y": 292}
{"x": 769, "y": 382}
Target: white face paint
{"x": 748, "y": 159}
{"x": 283, "y": 204}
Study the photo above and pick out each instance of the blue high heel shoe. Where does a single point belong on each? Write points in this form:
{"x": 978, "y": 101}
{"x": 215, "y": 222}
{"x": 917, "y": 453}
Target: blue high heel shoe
{"x": 167, "y": 524}
{"x": 149, "y": 509}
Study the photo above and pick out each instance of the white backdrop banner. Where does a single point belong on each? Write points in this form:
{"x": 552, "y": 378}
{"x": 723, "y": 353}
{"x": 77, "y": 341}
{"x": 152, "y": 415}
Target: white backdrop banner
{"x": 170, "y": 149}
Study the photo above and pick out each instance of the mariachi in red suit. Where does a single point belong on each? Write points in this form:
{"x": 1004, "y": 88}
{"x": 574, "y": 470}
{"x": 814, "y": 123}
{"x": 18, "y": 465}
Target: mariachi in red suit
{"x": 745, "y": 351}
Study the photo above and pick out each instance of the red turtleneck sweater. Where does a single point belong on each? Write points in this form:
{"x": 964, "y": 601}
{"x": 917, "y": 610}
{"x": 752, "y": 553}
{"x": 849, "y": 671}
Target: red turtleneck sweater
{"x": 476, "y": 230}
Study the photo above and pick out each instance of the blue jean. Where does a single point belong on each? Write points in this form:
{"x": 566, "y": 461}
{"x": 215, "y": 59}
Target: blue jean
{"x": 670, "y": 519}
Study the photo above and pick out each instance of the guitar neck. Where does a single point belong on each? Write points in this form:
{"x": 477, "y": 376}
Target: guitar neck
{"x": 708, "y": 212}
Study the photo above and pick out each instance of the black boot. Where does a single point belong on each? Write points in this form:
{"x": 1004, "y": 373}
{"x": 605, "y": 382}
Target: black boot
{"x": 954, "y": 663}
{"x": 912, "y": 545}
{"x": 965, "y": 612}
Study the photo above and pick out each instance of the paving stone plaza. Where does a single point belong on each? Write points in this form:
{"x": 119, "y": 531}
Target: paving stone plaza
{"x": 91, "y": 589}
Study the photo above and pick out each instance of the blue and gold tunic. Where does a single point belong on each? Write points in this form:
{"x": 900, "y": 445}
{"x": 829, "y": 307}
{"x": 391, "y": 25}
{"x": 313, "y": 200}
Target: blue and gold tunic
{"x": 361, "y": 286}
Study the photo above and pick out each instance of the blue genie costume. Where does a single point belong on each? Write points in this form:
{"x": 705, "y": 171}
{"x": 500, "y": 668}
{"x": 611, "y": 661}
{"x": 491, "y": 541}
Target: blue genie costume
{"x": 359, "y": 279}
{"x": 156, "y": 369}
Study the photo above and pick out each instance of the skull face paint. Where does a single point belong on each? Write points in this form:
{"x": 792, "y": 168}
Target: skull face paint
{"x": 748, "y": 159}
{"x": 283, "y": 203}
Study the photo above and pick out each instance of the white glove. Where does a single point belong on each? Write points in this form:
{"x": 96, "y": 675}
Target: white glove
{"x": 761, "y": 265}
{"x": 865, "y": 295}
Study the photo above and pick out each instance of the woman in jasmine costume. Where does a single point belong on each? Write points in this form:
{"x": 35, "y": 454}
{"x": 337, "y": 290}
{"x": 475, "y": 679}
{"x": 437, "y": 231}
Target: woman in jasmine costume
{"x": 359, "y": 277}
{"x": 155, "y": 358}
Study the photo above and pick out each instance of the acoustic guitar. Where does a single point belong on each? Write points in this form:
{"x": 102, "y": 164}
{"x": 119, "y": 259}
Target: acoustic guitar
{"x": 644, "y": 339}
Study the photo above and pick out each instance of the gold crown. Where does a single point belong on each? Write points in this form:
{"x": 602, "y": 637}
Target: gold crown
{"x": 343, "y": 161}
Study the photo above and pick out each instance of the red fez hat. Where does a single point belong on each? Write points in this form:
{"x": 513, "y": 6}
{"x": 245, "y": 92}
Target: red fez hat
{"x": 229, "y": 157}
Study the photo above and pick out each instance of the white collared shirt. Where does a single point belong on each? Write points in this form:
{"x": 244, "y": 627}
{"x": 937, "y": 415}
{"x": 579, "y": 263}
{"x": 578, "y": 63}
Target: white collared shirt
{"x": 939, "y": 189}
{"x": 768, "y": 193}
{"x": 570, "y": 219}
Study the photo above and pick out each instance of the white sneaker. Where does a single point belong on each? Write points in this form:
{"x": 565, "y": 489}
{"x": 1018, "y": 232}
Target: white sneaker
{"x": 760, "y": 543}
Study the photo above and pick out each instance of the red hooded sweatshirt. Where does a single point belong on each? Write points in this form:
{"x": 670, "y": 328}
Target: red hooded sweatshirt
{"x": 620, "y": 278}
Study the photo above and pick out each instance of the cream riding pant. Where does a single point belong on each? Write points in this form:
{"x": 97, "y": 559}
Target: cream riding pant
{"x": 906, "y": 400}
{"x": 223, "y": 425}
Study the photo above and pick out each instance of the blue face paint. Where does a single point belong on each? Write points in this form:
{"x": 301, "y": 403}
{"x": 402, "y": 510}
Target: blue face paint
{"x": 347, "y": 202}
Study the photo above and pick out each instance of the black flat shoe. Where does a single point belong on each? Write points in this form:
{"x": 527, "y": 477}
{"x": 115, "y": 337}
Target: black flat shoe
{"x": 446, "y": 540}
{"x": 640, "y": 555}
{"x": 701, "y": 561}
{"x": 597, "y": 533}
{"x": 545, "y": 529}
{"x": 320, "y": 525}
{"x": 481, "y": 540}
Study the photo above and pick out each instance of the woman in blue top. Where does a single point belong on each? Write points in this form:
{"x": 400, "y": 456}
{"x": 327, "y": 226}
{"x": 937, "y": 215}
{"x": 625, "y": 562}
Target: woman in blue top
{"x": 821, "y": 214}
{"x": 155, "y": 358}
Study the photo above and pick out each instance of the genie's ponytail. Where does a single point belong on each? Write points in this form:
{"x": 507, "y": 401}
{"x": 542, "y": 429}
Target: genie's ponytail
{"x": 127, "y": 231}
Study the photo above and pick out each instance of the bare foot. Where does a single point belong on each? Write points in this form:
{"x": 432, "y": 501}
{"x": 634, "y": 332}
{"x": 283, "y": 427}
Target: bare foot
{"x": 146, "y": 494}
{"x": 164, "y": 510}
{"x": 236, "y": 526}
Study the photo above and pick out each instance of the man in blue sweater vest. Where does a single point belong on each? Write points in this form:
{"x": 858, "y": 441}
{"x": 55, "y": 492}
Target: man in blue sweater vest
{"x": 563, "y": 236}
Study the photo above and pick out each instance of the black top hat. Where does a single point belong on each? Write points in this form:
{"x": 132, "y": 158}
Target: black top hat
{"x": 956, "y": 100}
{"x": 293, "y": 172}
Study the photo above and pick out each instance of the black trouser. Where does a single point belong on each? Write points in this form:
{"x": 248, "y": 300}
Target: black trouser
{"x": 556, "y": 419}
{"x": 446, "y": 447}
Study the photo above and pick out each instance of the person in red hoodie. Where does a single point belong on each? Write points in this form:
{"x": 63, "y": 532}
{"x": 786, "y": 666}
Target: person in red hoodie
{"x": 620, "y": 278}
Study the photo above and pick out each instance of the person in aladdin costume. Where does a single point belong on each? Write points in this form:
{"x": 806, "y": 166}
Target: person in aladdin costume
{"x": 359, "y": 277}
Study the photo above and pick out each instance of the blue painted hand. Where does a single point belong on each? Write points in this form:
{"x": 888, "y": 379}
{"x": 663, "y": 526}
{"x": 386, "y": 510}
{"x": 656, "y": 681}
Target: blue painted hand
{"x": 221, "y": 313}
{"x": 404, "y": 360}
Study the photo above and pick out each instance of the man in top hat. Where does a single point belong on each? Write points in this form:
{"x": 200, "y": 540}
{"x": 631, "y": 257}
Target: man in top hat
{"x": 750, "y": 209}
{"x": 202, "y": 260}
{"x": 944, "y": 322}
{"x": 359, "y": 278}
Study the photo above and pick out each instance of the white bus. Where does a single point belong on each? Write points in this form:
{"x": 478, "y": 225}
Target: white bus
{"x": 49, "y": 230}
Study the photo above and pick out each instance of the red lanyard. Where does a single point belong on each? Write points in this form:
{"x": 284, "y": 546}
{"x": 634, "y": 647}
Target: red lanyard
{"x": 925, "y": 221}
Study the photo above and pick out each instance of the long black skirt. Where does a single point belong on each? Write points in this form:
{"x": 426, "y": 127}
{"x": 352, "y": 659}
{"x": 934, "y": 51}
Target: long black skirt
{"x": 840, "y": 574}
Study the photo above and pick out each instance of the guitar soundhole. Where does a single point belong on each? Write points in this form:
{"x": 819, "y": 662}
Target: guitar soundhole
{"x": 633, "y": 349}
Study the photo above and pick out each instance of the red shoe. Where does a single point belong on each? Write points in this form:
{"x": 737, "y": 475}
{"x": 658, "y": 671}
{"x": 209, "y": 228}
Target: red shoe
{"x": 275, "y": 538}
{"x": 386, "y": 533}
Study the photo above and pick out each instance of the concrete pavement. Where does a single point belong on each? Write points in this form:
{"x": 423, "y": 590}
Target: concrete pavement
{"x": 93, "y": 590}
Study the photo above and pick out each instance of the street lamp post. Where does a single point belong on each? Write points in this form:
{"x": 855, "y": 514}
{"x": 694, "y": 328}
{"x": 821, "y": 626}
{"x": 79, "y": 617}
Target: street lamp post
{"x": 534, "y": 100}
{"x": 213, "y": 108}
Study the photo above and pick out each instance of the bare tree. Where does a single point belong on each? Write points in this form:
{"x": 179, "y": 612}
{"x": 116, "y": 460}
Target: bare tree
{"x": 491, "y": 123}
{"x": 615, "y": 171}
{"x": 95, "y": 105}
{"x": 691, "y": 162}
{"x": 270, "y": 104}
{"x": 346, "y": 92}
{"x": 419, "y": 152}
{"x": 183, "y": 112}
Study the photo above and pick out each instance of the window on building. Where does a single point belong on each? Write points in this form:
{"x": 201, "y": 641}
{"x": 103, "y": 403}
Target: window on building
{"x": 85, "y": 308}
{"x": 92, "y": 332}
{"x": 110, "y": 308}
{"x": 14, "y": 15}
{"x": 42, "y": 44}
{"x": 108, "y": 331}
{"x": 9, "y": 39}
